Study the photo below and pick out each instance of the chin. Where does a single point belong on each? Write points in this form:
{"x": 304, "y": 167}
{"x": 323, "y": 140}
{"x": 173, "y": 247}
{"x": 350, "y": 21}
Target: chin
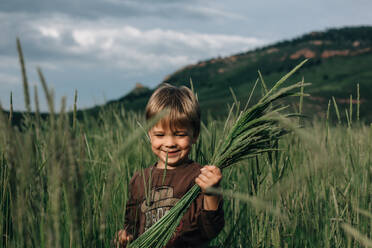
{"x": 174, "y": 163}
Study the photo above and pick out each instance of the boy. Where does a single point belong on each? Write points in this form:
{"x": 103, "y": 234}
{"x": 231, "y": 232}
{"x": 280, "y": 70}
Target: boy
{"x": 171, "y": 140}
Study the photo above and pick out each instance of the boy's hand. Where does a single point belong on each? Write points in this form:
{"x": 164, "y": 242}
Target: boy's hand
{"x": 210, "y": 176}
{"x": 122, "y": 239}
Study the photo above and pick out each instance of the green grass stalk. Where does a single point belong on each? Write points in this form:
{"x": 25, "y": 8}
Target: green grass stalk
{"x": 74, "y": 119}
{"x": 11, "y": 109}
{"x": 336, "y": 109}
{"x": 358, "y": 102}
{"x": 24, "y": 77}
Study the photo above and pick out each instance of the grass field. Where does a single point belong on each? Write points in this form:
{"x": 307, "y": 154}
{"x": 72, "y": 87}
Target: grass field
{"x": 64, "y": 182}
{"x": 65, "y": 185}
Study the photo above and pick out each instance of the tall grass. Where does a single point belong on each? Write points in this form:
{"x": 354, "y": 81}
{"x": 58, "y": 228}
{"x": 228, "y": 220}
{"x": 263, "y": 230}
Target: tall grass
{"x": 66, "y": 186}
{"x": 63, "y": 188}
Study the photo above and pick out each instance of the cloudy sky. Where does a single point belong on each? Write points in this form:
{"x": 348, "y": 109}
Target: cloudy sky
{"x": 103, "y": 47}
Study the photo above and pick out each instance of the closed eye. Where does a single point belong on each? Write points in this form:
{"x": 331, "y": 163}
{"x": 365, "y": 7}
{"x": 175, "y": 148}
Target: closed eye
{"x": 180, "y": 134}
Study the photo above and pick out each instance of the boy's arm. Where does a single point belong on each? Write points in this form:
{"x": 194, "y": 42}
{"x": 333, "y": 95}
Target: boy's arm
{"x": 131, "y": 224}
{"x": 210, "y": 176}
{"x": 125, "y": 235}
{"x": 211, "y": 202}
{"x": 212, "y": 216}
{"x": 212, "y": 221}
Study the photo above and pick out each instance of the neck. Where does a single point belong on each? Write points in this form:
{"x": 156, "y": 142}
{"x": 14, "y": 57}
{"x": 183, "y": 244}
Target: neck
{"x": 161, "y": 165}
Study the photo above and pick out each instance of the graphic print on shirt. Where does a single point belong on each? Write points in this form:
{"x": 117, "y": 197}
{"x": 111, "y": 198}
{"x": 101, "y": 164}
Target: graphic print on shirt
{"x": 161, "y": 200}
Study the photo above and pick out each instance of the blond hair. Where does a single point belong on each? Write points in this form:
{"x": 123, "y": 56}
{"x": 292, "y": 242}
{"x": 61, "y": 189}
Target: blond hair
{"x": 181, "y": 103}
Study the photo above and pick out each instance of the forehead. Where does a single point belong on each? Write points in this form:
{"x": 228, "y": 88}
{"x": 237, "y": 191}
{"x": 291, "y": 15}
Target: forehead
{"x": 168, "y": 126}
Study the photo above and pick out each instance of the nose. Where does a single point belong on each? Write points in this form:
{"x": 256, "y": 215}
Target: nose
{"x": 169, "y": 142}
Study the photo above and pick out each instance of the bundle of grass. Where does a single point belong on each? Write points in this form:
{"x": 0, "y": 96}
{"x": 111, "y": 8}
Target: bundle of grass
{"x": 254, "y": 132}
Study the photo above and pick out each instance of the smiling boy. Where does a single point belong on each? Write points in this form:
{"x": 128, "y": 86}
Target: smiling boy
{"x": 166, "y": 181}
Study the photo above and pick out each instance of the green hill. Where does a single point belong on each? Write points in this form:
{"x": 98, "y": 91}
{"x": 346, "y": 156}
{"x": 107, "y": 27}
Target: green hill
{"x": 339, "y": 60}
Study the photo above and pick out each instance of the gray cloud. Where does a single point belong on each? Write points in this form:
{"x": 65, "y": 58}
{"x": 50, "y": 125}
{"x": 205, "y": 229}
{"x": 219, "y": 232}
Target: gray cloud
{"x": 87, "y": 9}
{"x": 94, "y": 9}
{"x": 59, "y": 38}
{"x": 83, "y": 53}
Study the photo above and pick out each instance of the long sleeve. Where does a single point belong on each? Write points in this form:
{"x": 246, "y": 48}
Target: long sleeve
{"x": 198, "y": 226}
{"x": 211, "y": 221}
{"x": 132, "y": 212}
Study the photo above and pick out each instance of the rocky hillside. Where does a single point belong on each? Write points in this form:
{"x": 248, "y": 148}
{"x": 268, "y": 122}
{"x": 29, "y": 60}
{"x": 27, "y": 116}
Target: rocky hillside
{"x": 339, "y": 60}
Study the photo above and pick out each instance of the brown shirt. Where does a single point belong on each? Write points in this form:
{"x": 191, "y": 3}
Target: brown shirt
{"x": 163, "y": 190}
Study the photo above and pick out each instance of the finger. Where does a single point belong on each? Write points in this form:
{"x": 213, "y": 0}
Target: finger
{"x": 123, "y": 237}
{"x": 204, "y": 176}
{"x": 201, "y": 184}
{"x": 206, "y": 171}
{"x": 209, "y": 180}
{"x": 205, "y": 183}
{"x": 198, "y": 181}
{"x": 208, "y": 174}
{"x": 209, "y": 167}
{"x": 214, "y": 169}
{"x": 216, "y": 172}
{"x": 117, "y": 236}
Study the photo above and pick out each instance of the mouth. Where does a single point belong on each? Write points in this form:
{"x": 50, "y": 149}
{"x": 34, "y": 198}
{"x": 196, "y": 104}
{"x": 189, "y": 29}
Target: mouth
{"x": 172, "y": 153}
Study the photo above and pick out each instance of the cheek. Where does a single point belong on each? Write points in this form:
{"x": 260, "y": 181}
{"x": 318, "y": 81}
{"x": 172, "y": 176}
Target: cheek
{"x": 155, "y": 143}
{"x": 186, "y": 144}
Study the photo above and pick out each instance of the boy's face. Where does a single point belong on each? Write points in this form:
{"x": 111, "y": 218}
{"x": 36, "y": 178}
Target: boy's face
{"x": 176, "y": 142}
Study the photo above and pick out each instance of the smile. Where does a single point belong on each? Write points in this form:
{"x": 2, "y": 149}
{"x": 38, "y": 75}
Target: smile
{"x": 172, "y": 153}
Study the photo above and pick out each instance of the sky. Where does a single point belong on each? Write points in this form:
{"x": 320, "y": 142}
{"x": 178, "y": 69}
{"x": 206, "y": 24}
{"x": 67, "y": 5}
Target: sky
{"x": 102, "y": 48}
